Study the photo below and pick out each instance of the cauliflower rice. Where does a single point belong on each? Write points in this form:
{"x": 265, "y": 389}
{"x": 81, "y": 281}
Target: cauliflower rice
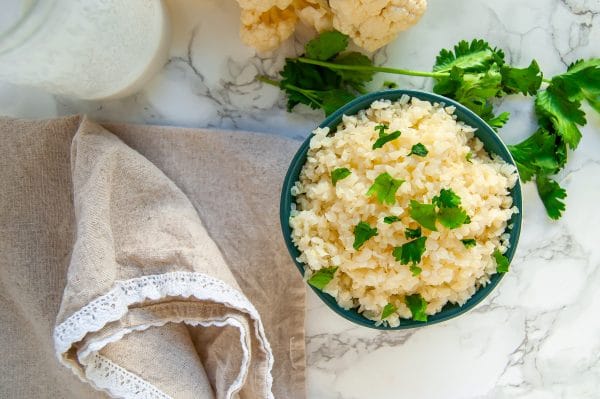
{"x": 324, "y": 216}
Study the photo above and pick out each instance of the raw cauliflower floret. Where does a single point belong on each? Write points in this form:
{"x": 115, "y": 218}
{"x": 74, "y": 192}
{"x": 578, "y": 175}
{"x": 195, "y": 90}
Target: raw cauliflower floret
{"x": 266, "y": 30}
{"x": 374, "y": 23}
{"x": 315, "y": 13}
{"x": 263, "y": 5}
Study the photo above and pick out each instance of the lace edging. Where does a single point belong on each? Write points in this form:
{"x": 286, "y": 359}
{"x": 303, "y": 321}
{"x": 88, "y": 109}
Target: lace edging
{"x": 114, "y": 304}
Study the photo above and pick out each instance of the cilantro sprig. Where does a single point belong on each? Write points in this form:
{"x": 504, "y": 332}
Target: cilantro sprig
{"x": 362, "y": 233}
{"x": 384, "y": 188}
{"x": 444, "y": 208}
{"x": 418, "y": 306}
{"x": 473, "y": 73}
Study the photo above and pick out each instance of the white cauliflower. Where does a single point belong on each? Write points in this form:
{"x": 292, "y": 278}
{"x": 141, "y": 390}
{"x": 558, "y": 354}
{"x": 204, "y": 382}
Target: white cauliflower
{"x": 371, "y": 24}
{"x": 266, "y": 30}
{"x": 315, "y": 13}
{"x": 374, "y": 23}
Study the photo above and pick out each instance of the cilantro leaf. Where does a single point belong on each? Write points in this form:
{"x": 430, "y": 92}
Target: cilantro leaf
{"x": 469, "y": 242}
{"x": 418, "y": 149}
{"x": 339, "y": 174}
{"x": 332, "y": 100}
{"x": 540, "y": 153}
{"x": 521, "y": 80}
{"x": 410, "y": 252}
{"x": 415, "y": 270}
{"x": 555, "y": 108}
{"x": 446, "y": 199}
{"x": 387, "y": 311}
{"x": 552, "y": 195}
{"x": 385, "y": 138}
{"x": 498, "y": 121}
{"x": 362, "y": 233}
{"x": 452, "y": 218}
{"x": 391, "y": 219}
{"x": 424, "y": 214}
{"x": 501, "y": 261}
{"x": 474, "y": 56}
{"x": 417, "y": 306}
{"x": 412, "y": 233}
{"x": 327, "y": 45}
{"x": 322, "y": 277}
{"x": 381, "y": 128}
{"x": 385, "y": 187}
{"x": 355, "y": 79}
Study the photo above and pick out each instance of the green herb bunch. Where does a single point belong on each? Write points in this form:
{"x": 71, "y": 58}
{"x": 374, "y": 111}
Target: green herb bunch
{"x": 474, "y": 74}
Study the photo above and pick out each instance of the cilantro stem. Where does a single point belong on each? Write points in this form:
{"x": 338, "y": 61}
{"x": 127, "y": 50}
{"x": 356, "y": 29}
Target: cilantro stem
{"x": 268, "y": 80}
{"x": 546, "y": 80}
{"x": 396, "y": 71}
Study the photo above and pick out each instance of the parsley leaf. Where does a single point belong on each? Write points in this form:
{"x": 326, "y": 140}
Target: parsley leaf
{"x": 521, "y": 80}
{"x": 339, "y": 174}
{"x": 417, "y": 306}
{"x": 410, "y": 252}
{"x": 327, "y": 45}
{"x": 498, "y": 121}
{"x": 469, "y": 242}
{"x": 387, "y": 311}
{"x": 556, "y": 109}
{"x": 385, "y": 187}
{"x": 355, "y": 79}
{"x": 501, "y": 261}
{"x": 552, "y": 195}
{"x": 391, "y": 219}
{"x": 452, "y": 218}
{"x": 385, "y": 138}
{"x": 363, "y": 232}
{"x": 446, "y": 199}
{"x": 322, "y": 277}
{"x": 419, "y": 149}
{"x": 412, "y": 233}
{"x": 424, "y": 214}
{"x": 474, "y": 56}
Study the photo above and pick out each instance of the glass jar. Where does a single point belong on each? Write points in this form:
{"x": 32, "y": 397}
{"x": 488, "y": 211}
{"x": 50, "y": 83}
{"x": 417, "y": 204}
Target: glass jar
{"x": 90, "y": 49}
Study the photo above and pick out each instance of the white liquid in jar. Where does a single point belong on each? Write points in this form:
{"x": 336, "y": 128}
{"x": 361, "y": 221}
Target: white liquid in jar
{"x": 90, "y": 49}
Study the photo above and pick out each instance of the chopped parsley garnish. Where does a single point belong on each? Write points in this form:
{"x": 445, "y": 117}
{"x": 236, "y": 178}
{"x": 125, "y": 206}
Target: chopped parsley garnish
{"x": 424, "y": 214}
{"x": 322, "y": 277}
{"x": 452, "y": 218}
{"x": 417, "y": 306}
{"x": 415, "y": 270}
{"x": 387, "y": 311}
{"x": 501, "y": 261}
{"x": 381, "y": 129}
{"x": 363, "y": 232}
{"x": 385, "y": 187}
{"x": 418, "y": 149}
{"x": 446, "y": 199}
{"x": 410, "y": 252}
{"x": 385, "y": 138}
{"x": 339, "y": 174}
{"x": 412, "y": 233}
{"x": 469, "y": 242}
{"x": 391, "y": 219}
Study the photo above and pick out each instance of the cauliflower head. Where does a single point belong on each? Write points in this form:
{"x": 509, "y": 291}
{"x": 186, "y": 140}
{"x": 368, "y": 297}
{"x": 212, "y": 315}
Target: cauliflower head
{"x": 265, "y": 31}
{"x": 315, "y": 13}
{"x": 374, "y": 23}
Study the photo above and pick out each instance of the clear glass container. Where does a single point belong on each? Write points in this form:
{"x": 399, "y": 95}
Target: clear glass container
{"x": 90, "y": 49}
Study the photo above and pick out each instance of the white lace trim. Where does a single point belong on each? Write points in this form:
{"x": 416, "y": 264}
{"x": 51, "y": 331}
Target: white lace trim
{"x": 106, "y": 376}
{"x": 114, "y": 304}
{"x": 121, "y": 383}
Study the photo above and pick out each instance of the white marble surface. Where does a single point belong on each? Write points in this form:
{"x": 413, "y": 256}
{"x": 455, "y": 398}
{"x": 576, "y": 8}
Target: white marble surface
{"x": 538, "y": 335}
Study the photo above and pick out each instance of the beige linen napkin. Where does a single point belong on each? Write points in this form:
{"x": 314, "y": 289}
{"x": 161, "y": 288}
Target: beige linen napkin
{"x": 152, "y": 306}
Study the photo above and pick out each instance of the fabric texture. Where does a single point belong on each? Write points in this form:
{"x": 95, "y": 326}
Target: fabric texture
{"x": 157, "y": 253}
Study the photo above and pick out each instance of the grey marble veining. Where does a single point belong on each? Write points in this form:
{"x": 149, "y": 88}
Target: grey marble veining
{"x": 538, "y": 335}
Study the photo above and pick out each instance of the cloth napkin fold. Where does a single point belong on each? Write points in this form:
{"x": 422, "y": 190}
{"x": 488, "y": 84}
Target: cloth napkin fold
{"x": 152, "y": 307}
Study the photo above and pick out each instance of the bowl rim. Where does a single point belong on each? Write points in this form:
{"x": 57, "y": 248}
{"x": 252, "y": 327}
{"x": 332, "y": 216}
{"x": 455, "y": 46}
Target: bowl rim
{"x": 333, "y": 120}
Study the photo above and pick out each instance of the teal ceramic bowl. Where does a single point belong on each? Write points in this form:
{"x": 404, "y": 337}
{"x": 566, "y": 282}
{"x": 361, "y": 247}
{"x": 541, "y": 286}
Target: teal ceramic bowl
{"x": 492, "y": 144}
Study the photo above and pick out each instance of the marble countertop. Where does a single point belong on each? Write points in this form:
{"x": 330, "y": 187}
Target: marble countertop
{"x": 538, "y": 335}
